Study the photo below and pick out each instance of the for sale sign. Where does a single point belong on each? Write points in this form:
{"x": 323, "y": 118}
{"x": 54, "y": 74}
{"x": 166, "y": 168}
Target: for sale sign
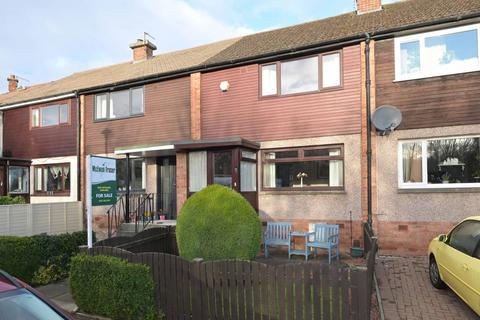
{"x": 103, "y": 179}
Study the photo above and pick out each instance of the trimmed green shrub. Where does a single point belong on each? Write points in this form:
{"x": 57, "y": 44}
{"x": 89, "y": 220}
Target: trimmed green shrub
{"x": 5, "y": 200}
{"x": 40, "y": 259}
{"x": 112, "y": 287}
{"x": 218, "y": 223}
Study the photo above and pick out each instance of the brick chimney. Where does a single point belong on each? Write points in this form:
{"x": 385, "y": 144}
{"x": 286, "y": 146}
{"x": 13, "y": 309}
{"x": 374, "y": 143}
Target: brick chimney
{"x": 142, "y": 50}
{"x": 366, "y": 6}
{"x": 12, "y": 83}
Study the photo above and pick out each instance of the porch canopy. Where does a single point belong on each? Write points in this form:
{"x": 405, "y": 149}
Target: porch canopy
{"x": 171, "y": 147}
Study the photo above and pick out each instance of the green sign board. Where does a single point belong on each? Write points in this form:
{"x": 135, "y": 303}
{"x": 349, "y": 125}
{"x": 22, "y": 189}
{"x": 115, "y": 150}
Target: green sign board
{"x": 103, "y": 179}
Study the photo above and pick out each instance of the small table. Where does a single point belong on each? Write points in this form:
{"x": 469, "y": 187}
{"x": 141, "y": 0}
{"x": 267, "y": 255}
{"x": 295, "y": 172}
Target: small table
{"x": 304, "y": 252}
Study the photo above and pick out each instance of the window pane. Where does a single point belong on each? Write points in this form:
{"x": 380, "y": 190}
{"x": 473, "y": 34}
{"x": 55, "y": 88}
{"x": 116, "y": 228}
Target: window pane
{"x": 66, "y": 177}
{"x": 49, "y": 116}
{"x": 101, "y": 106}
{"x": 63, "y": 113}
{"x": 197, "y": 171}
{"x": 454, "y": 160}
{"x": 35, "y": 118}
{"x": 282, "y": 154}
{"x": 222, "y": 168}
{"x": 299, "y": 75}
{"x": 137, "y": 101}
{"x": 120, "y": 104}
{"x": 412, "y": 162}
{"x": 465, "y": 237}
{"x": 54, "y": 178}
{"x": 38, "y": 179}
{"x": 121, "y": 174}
{"x": 321, "y": 173}
{"x": 322, "y": 152}
{"x": 136, "y": 174}
{"x": 18, "y": 180}
{"x": 455, "y": 51}
{"x": 410, "y": 57}
{"x": 331, "y": 70}
{"x": 269, "y": 80}
{"x": 249, "y": 155}
{"x": 248, "y": 176}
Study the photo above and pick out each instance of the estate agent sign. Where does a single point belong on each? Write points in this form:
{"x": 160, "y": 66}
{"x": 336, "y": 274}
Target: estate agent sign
{"x": 103, "y": 175}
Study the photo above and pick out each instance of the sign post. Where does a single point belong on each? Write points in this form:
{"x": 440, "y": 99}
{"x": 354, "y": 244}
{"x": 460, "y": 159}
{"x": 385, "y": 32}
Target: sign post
{"x": 101, "y": 186}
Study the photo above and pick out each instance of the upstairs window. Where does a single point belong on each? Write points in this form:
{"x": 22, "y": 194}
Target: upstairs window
{"x": 437, "y": 53}
{"x": 439, "y": 163}
{"x": 301, "y": 75}
{"x": 119, "y": 104}
{"x": 53, "y": 115}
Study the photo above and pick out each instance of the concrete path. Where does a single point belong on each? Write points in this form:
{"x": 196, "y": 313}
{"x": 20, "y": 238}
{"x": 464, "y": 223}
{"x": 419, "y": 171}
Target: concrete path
{"x": 407, "y": 294}
{"x": 59, "y": 293}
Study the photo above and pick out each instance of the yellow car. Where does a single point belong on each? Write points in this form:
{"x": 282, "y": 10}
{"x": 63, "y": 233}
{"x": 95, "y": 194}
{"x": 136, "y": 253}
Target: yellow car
{"x": 455, "y": 261}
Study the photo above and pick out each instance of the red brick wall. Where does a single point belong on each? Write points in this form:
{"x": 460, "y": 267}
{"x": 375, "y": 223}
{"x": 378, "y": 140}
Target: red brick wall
{"x": 364, "y": 6}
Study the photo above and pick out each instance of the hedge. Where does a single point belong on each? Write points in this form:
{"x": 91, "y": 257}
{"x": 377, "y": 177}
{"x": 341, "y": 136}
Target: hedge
{"x": 7, "y": 200}
{"x": 112, "y": 287}
{"x": 218, "y": 223}
{"x": 39, "y": 259}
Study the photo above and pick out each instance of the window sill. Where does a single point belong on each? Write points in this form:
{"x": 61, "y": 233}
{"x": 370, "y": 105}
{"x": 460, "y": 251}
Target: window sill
{"x": 301, "y": 192}
{"x": 51, "y": 195}
{"x": 122, "y": 118}
{"x": 438, "y": 190}
{"x": 430, "y": 76}
{"x": 286, "y": 95}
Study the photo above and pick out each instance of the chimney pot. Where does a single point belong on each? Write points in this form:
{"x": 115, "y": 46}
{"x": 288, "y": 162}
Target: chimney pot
{"x": 366, "y": 6}
{"x": 142, "y": 50}
{"x": 12, "y": 83}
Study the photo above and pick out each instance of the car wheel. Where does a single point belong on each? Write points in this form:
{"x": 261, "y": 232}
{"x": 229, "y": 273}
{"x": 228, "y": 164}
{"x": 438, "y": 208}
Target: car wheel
{"x": 435, "y": 275}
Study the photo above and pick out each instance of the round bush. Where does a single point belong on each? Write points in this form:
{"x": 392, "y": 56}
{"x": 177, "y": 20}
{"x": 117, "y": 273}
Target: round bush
{"x": 218, "y": 223}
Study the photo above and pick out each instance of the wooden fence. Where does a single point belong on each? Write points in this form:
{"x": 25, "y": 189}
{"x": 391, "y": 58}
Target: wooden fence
{"x": 252, "y": 290}
{"x": 36, "y": 218}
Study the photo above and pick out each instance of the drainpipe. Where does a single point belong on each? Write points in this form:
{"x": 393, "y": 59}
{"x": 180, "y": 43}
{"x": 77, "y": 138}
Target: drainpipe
{"x": 127, "y": 193}
{"x": 369, "y": 130}
{"x": 79, "y": 132}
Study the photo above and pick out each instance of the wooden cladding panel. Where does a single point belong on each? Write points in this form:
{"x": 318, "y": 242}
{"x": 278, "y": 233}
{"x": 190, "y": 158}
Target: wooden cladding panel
{"x": 240, "y": 112}
{"x": 430, "y": 102}
{"x": 22, "y": 141}
{"x": 166, "y": 118}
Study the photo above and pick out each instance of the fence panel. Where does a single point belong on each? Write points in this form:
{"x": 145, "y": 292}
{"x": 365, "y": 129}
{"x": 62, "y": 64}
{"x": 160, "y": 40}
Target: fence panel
{"x": 36, "y": 218}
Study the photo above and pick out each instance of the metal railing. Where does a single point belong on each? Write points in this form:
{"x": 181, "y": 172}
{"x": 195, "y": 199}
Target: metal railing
{"x": 116, "y": 215}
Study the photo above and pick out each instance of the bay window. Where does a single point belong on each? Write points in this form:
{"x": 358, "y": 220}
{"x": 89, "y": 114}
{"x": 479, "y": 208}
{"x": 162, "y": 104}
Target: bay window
{"x": 301, "y": 75}
{"x": 439, "y": 163}
{"x": 303, "y": 168}
{"x": 449, "y": 51}
{"x": 119, "y": 104}
{"x": 52, "y": 179}
{"x": 18, "y": 179}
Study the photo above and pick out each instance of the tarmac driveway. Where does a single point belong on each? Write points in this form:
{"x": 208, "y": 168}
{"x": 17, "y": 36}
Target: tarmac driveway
{"x": 407, "y": 293}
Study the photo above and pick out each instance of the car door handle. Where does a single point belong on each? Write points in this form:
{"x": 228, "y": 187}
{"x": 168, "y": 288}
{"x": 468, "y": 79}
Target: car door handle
{"x": 465, "y": 267}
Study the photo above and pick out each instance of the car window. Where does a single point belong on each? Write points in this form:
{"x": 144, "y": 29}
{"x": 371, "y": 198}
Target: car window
{"x": 21, "y": 304}
{"x": 465, "y": 237}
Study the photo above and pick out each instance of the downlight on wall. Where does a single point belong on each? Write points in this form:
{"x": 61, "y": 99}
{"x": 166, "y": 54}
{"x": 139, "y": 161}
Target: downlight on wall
{"x": 224, "y": 86}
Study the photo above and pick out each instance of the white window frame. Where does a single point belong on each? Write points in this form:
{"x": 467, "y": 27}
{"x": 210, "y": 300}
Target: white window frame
{"x": 424, "y": 184}
{"x": 421, "y": 38}
{"x": 109, "y": 107}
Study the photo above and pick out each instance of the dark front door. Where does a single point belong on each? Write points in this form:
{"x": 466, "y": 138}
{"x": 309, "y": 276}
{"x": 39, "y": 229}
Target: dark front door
{"x": 3, "y": 182}
{"x": 166, "y": 187}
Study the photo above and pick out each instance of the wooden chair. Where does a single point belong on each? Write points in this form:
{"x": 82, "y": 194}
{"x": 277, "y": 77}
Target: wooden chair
{"x": 277, "y": 234}
{"x": 325, "y": 237}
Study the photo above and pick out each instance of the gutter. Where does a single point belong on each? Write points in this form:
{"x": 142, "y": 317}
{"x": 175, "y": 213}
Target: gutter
{"x": 250, "y": 60}
{"x": 79, "y": 133}
{"x": 35, "y": 101}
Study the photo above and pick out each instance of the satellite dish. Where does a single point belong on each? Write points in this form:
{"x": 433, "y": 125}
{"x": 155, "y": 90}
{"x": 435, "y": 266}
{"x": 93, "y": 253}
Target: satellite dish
{"x": 386, "y": 119}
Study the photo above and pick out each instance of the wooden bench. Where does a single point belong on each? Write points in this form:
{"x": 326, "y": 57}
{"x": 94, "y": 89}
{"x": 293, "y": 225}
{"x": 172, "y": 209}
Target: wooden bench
{"x": 325, "y": 237}
{"x": 277, "y": 234}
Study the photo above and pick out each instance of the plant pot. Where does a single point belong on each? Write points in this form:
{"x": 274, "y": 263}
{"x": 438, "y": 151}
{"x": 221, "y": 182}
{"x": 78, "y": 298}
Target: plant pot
{"x": 356, "y": 252}
{"x": 162, "y": 217}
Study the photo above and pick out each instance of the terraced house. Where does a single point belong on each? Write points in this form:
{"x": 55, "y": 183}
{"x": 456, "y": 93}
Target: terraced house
{"x": 281, "y": 117}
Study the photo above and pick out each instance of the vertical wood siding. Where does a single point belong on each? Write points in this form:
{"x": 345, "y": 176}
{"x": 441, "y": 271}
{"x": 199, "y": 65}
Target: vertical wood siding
{"x": 241, "y": 113}
{"x": 166, "y": 118}
{"x": 22, "y": 141}
{"x": 431, "y": 102}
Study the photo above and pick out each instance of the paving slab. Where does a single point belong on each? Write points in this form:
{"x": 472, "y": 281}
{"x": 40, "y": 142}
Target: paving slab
{"x": 406, "y": 292}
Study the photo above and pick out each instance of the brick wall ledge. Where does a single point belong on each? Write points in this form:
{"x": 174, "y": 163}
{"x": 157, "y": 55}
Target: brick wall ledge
{"x": 440, "y": 190}
{"x": 298, "y": 193}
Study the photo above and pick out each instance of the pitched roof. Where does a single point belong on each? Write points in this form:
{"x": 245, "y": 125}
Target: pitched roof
{"x": 400, "y": 14}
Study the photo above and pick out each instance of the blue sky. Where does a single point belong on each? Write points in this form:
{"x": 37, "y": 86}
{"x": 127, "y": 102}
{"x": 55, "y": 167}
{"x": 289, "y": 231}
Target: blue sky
{"x": 45, "y": 40}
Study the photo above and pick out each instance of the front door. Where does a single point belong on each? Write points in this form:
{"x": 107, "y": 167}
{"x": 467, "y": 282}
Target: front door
{"x": 166, "y": 187}
{"x": 3, "y": 189}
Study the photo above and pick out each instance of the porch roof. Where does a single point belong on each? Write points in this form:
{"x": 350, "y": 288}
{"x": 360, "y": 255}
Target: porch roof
{"x": 170, "y": 147}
